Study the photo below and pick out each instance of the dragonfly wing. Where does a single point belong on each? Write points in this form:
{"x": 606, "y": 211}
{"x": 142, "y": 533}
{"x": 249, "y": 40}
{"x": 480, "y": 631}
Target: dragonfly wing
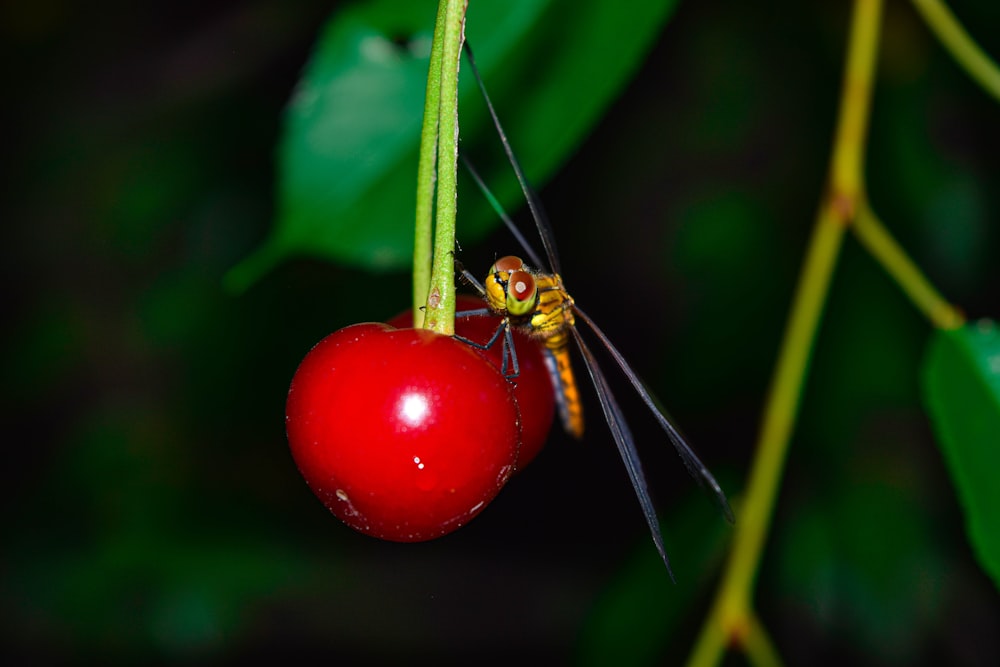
{"x": 691, "y": 461}
{"x": 537, "y": 212}
{"x": 626, "y": 445}
{"x": 533, "y": 256}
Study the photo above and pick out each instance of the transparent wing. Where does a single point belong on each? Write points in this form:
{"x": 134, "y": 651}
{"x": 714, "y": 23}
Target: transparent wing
{"x": 626, "y": 446}
{"x": 541, "y": 221}
{"x": 533, "y": 257}
{"x": 691, "y": 461}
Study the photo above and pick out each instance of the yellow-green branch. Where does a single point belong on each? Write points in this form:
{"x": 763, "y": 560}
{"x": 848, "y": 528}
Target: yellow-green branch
{"x": 732, "y": 619}
{"x": 962, "y": 47}
{"x": 758, "y": 646}
{"x": 876, "y": 239}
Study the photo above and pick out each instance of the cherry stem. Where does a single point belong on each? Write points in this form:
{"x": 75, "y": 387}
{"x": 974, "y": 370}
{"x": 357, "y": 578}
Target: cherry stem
{"x": 424, "y": 224}
{"x": 434, "y": 272}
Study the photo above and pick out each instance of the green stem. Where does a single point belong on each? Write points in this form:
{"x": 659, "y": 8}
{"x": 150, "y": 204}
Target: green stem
{"x": 424, "y": 224}
{"x": 440, "y": 309}
{"x": 711, "y": 642}
{"x": 962, "y": 47}
{"x": 732, "y": 619}
{"x": 733, "y": 607}
{"x": 876, "y": 239}
{"x": 759, "y": 648}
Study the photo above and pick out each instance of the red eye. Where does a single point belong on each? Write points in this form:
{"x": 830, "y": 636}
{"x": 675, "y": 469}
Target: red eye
{"x": 521, "y": 285}
{"x": 508, "y": 264}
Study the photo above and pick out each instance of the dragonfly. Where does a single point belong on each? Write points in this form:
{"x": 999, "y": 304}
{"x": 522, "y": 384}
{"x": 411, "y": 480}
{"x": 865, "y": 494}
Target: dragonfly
{"x": 532, "y": 298}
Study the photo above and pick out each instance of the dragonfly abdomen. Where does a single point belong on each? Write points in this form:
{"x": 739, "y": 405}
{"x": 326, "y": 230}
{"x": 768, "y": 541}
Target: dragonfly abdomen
{"x": 564, "y": 385}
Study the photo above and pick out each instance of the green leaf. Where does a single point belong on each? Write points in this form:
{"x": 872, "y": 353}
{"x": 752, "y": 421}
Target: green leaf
{"x": 962, "y": 394}
{"x": 347, "y": 156}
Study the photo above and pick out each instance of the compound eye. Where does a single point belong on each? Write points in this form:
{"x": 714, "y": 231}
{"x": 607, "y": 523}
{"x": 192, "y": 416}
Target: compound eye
{"x": 521, "y": 293}
{"x": 507, "y": 264}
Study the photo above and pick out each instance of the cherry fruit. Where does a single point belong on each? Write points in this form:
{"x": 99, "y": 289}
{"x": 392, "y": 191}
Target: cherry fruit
{"x": 532, "y": 387}
{"x": 403, "y": 434}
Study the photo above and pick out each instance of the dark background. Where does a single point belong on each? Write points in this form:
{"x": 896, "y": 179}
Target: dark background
{"x": 152, "y": 510}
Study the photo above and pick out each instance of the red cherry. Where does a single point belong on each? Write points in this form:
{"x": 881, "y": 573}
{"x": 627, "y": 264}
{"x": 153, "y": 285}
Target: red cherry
{"x": 404, "y": 434}
{"x": 532, "y": 388}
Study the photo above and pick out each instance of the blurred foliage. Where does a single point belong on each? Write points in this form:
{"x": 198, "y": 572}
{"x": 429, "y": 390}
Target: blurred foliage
{"x": 346, "y": 170}
{"x": 962, "y": 385}
{"x": 640, "y": 612}
{"x": 152, "y": 510}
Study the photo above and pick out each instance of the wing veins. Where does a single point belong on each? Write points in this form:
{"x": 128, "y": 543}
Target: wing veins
{"x": 626, "y": 445}
{"x": 534, "y": 204}
{"x": 695, "y": 467}
{"x": 536, "y": 260}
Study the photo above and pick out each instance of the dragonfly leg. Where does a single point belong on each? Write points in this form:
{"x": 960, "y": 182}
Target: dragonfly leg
{"x": 509, "y": 353}
{"x": 469, "y": 278}
{"x": 508, "y": 365}
{"x": 478, "y": 312}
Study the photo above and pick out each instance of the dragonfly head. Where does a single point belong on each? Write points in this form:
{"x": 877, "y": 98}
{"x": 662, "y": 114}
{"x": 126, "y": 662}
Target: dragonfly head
{"x": 510, "y": 287}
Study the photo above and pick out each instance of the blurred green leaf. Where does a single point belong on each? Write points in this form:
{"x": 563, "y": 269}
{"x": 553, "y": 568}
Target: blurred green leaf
{"x": 962, "y": 394}
{"x": 863, "y": 562}
{"x": 347, "y": 156}
{"x": 167, "y": 594}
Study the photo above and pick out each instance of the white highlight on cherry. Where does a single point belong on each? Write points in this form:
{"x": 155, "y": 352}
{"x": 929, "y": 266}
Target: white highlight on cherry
{"x": 415, "y": 408}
